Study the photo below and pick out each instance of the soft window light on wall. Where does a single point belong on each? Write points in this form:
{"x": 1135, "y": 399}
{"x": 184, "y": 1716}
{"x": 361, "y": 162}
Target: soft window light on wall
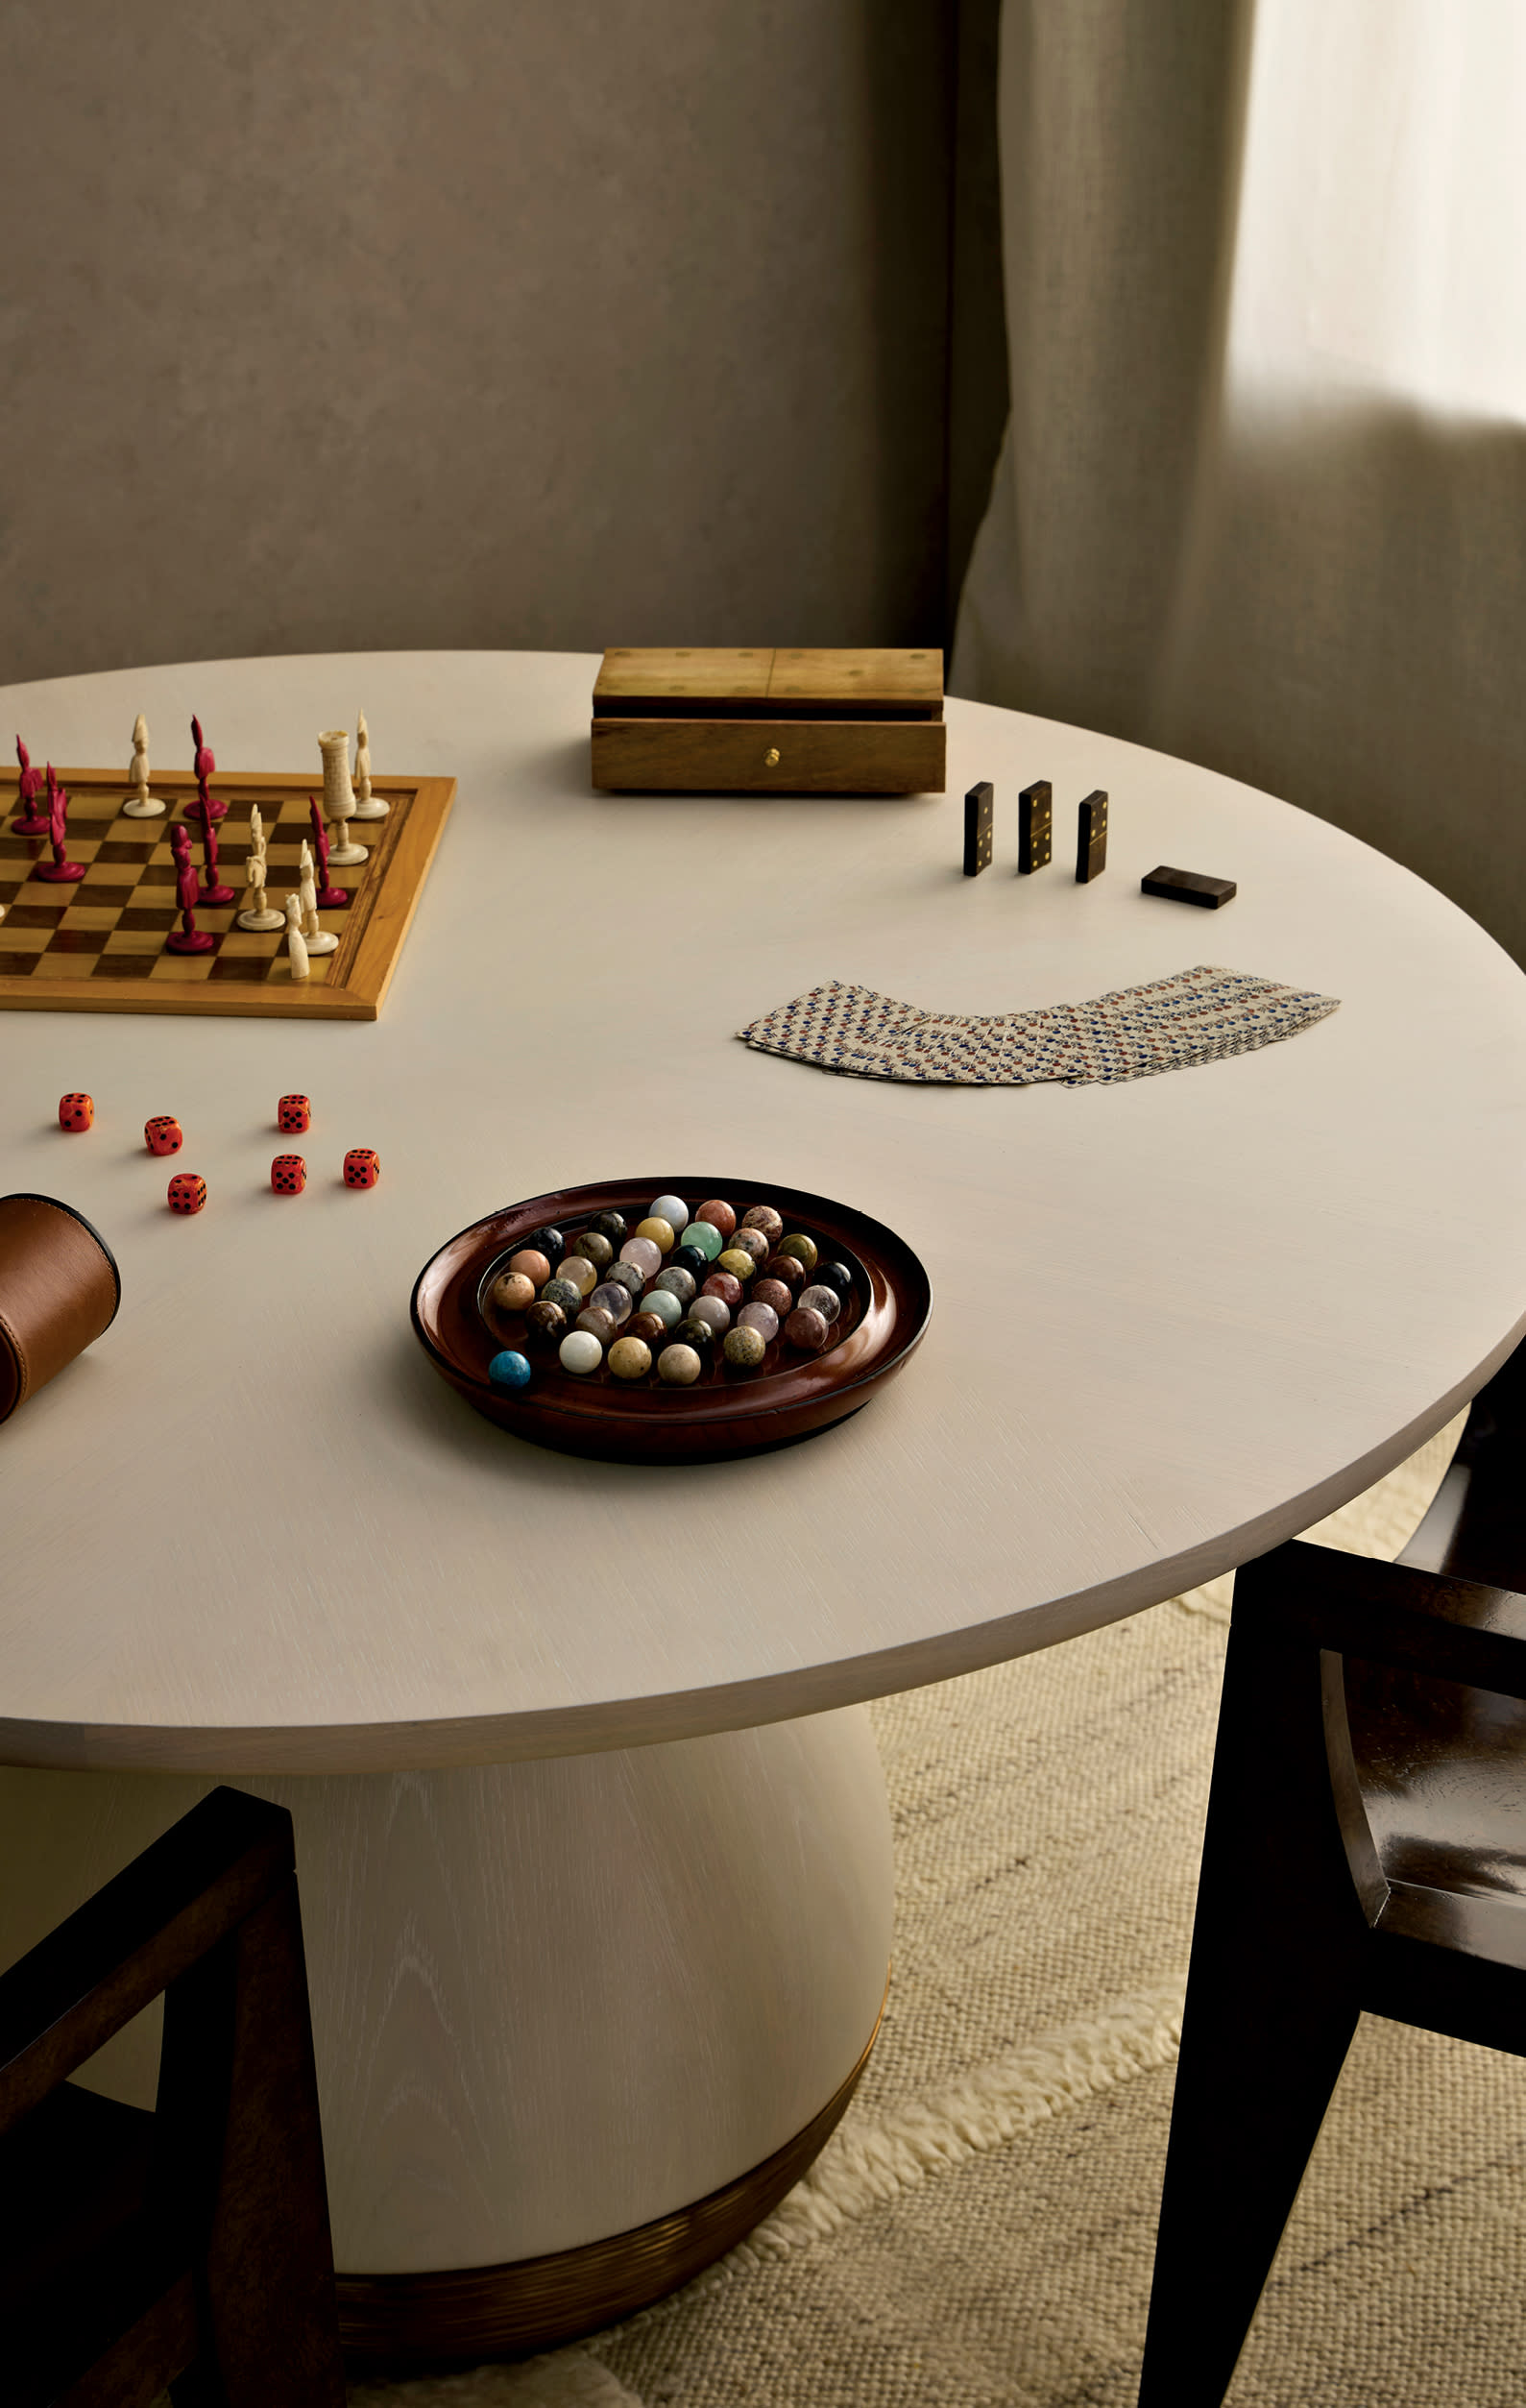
{"x": 1382, "y": 231}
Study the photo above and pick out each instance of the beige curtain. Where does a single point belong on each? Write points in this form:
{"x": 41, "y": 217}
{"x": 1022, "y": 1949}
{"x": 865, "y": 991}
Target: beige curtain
{"x": 1307, "y": 569}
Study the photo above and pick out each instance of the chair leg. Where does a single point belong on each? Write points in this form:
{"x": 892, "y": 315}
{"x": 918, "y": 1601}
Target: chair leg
{"x": 238, "y": 2049}
{"x": 1272, "y": 2000}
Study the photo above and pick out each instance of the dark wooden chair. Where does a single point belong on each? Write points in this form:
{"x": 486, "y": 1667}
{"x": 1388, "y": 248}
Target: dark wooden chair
{"x": 1365, "y": 1847}
{"x": 188, "y": 2247}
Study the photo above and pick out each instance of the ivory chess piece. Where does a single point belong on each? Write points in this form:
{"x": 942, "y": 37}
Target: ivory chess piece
{"x": 141, "y": 804}
{"x": 369, "y": 805}
{"x": 339, "y": 795}
{"x": 258, "y": 914}
{"x": 343, "y": 853}
{"x": 296, "y": 943}
{"x": 315, "y": 935}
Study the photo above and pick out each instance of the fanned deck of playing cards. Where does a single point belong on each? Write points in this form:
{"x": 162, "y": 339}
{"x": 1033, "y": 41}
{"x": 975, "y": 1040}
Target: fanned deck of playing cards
{"x": 1199, "y": 1016}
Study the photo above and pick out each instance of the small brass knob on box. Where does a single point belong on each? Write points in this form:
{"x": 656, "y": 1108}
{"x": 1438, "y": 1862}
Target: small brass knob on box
{"x": 771, "y": 757}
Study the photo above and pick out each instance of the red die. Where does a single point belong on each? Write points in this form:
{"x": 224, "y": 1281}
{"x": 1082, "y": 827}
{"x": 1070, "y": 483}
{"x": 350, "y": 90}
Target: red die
{"x": 361, "y": 1167}
{"x": 294, "y": 1114}
{"x": 75, "y": 1111}
{"x": 187, "y": 1192}
{"x": 163, "y": 1134}
{"x": 288, "y": 1175}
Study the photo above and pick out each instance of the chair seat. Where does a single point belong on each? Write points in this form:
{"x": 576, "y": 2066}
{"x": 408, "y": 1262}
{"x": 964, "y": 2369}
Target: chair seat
{"x": 1442, "y": 1771}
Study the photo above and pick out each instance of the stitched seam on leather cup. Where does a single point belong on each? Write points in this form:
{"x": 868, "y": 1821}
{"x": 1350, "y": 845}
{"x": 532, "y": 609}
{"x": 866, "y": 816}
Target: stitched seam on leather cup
{"x": 19, "y": 1355}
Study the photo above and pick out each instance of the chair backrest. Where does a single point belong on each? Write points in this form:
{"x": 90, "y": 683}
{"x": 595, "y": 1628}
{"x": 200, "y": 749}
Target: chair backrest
{"x": 227, "y": 2262}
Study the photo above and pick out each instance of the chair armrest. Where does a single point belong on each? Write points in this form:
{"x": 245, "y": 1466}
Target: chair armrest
{"x": 160, "y": 1915}
{"x": 1389, "y": 1614}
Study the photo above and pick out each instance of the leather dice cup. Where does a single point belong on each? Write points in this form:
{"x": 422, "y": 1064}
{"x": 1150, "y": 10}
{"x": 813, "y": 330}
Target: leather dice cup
{"x": 59, "y": 1289}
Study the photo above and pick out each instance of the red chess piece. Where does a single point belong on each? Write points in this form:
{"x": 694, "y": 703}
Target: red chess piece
{"x": 329, "y": 896}
{"x": 187, "y": 938}
{"x": 60, "y": 871}
{"x": 203, "y": 764}
{"x": 212, "y": 889}
{"x": 27, "y": 788}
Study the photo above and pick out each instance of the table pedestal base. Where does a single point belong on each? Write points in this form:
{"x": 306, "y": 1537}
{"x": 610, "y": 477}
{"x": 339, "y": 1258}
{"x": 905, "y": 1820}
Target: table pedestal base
{"x": 395, "y": 2321}
{"x": 578, "y": 2024}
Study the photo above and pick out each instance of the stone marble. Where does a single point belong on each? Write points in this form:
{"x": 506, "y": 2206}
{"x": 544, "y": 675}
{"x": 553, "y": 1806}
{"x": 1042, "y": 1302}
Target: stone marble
{"x": 718, "y": 1213}
{"x": 726, "y": 1285}
{"x": 580, "y": 1351}
{"x": 533, "y": 1263}
{"x": 661, "y": 1234}
{"x": 806, "y": 1329}
{"x": 713, "y": 1310}
{"x": 745, "y": 1347}
{"x": 511, "y": 1292}
{"x": 789, "y": 1268}
{"x": 610, "y": 1224}
{"x": 679, "y": 1365}
{"x": 595, "y": 1246}
{"x": 820, "y": 1298}
{"x": 691, "y": 1258}
{"x": 802, "y": 1247}
{"x": 626, "y": 1276}
{"x": 613, "y": 1296}
{"x": 580, "y": 1271}
{"x": 662, "y": 1304}
{"x": 598, "y": 1324}
{"x": 697, "y": 1334}
{"x": 551, "y": 1243}
{"x": 763, "y": 1217}
{"x": 650, "y": 1327}
{"x": 682, "y": 1282}
{"x": 644, "y": 1253}
{"x": 760, "y": 1317}
{"x": 705, "y": 1237}
{"x": 510, "y": 1370}
{"x": 564, "y": 1292}
{"x": 750, "y": 1242}
{"x": 836, "y": 1274}
{"x": 544, "y": 1324}
{"x": 740, "y": 1266}
{"x": 774, "y": 1292}
{"x": 669, "y": 1208}
{"x": 630, "y": 1358}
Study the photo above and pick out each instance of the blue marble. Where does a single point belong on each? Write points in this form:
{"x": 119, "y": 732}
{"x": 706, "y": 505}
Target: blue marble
{"x": 509, "y": 1370}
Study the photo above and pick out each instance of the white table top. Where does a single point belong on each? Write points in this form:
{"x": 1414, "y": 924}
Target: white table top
{"x": 1174, "y": 1320}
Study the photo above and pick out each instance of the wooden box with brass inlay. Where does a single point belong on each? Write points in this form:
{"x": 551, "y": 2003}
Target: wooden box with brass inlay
{"x": 756, "y": 720}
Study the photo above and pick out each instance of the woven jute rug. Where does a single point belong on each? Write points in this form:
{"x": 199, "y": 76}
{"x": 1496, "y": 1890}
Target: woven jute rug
{"x": 979, "y": 2232}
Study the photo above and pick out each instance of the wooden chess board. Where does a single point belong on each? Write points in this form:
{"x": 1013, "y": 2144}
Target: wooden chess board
{"x": 99, "y": 945}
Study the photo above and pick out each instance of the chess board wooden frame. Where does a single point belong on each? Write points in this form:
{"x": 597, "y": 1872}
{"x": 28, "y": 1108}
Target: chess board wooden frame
{"x": 346, "y": 985}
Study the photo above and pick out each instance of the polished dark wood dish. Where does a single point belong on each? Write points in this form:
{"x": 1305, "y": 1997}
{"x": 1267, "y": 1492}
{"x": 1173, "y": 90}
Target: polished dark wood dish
{"x": 727, "y": 1412}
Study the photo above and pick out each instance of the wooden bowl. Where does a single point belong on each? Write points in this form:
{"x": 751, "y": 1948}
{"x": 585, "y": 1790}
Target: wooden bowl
{"x": 727, "y": 1412}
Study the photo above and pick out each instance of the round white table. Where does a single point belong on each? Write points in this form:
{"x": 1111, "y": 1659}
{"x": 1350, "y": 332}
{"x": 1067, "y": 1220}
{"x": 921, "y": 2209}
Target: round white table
{"x": 593, "y": 1840}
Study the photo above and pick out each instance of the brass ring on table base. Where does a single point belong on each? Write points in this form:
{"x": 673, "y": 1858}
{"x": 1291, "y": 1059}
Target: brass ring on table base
{"x": 475, "y": 2313}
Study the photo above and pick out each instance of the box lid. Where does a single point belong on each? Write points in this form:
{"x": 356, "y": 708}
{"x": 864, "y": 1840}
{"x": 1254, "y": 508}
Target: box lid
{"x": 762, "y": 682}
